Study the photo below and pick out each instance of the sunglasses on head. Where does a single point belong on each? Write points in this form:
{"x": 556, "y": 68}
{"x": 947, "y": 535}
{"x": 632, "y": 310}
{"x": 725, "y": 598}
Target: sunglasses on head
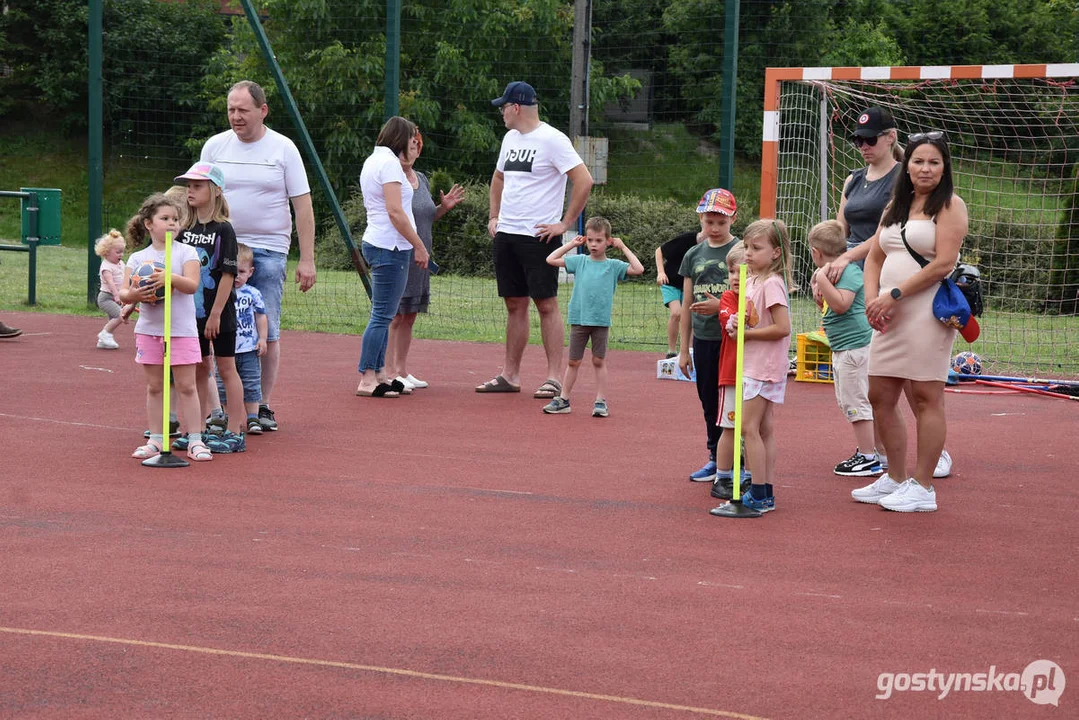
{"x": 931, "y": 135}
{"x": 859, "y": 141}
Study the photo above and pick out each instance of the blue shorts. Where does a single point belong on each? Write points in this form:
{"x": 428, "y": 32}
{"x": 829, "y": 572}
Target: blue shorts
{"x": 249, "y": 368}
{"x": 670, "y": 293}
{"x": 269, "y": 278}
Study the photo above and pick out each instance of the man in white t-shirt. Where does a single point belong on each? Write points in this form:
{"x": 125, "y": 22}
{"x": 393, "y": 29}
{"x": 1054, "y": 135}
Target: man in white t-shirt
{"x": 527, "y": 193}
{"x": 263, "y": 173}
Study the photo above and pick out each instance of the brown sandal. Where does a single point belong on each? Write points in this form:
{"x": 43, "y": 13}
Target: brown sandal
{"x": 498, "y": 384}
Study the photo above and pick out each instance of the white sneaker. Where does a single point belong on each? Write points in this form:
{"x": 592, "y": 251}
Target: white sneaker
{"x": 911, "y": 497}
{"x": 416, "y": 382}
{"x": 409, "y": 387}
{"x": 106, "y": 341}
{"x": 944, "y": 465}
{"x": 881, "y": 488}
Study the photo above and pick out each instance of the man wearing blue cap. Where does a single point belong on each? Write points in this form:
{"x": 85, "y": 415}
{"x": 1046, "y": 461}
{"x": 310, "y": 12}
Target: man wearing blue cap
{"x": 527, "y": 194}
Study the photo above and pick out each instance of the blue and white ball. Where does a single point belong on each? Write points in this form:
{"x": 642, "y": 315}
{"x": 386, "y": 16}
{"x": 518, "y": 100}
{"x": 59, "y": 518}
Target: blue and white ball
{"x": 967, "y": 363}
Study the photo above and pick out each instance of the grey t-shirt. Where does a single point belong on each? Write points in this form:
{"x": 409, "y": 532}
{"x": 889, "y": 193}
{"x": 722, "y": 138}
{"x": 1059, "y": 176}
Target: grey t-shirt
{"x": 865, "y": 204}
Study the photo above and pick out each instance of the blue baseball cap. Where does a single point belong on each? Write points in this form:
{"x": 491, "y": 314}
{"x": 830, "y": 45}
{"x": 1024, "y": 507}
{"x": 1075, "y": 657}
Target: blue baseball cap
{"x": 517, "y": 92}
{"x": 952, "y": 309}
{"x": 204, "y": 171}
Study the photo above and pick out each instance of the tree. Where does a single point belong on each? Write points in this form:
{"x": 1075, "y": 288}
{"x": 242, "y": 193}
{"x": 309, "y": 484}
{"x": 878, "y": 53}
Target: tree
{"x": 154, "y": 54}
{"x": 454, "y": 58}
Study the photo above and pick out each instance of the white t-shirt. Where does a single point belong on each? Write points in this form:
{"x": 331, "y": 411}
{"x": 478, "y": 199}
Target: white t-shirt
{"x": 152, "y": 317}
{"x": 380, "y": 168}
{"x": 260, "y": 177}
{"x": 535, "y": 166}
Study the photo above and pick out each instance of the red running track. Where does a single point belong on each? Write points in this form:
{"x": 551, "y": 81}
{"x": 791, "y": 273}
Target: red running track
{"x": 454, "y": 555}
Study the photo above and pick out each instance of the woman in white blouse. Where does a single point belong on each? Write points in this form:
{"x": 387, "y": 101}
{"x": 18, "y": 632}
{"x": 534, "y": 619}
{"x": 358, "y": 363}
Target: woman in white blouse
{"x": 390, "y": 243}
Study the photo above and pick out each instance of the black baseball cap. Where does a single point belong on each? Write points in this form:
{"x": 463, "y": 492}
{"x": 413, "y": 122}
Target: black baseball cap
{"x": 517, "y": 92}
{"x": 873, "y": 122}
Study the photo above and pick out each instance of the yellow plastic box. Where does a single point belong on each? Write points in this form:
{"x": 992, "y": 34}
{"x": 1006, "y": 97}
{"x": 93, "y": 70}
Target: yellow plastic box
{"x": 814, "y": 360}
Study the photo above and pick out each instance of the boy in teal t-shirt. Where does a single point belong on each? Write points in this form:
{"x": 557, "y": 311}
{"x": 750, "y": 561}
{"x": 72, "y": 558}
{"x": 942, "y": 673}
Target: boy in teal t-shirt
{"x": 849, "y": 334}
{"x": 595, "y": 279}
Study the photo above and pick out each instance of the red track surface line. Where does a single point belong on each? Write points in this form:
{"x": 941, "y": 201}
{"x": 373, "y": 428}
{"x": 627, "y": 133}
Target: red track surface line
{"x": 384, "y": 670}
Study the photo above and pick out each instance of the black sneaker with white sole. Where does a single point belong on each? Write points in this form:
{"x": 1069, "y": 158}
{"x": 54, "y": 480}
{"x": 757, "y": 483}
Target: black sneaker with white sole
{"x": 266, "y": 419}
{"x": 858, "y": 465}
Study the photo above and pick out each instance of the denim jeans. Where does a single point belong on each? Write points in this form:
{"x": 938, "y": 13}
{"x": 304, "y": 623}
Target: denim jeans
{"x": 389, "y": 272}
{"x": 269, "y": 279}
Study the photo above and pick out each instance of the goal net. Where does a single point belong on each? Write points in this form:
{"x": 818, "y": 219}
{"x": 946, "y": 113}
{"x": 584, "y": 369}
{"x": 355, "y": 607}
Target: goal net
{"x": 1013, "y": 131}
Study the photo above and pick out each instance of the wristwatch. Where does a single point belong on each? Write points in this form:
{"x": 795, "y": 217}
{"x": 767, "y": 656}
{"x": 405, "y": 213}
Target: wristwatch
{"x": 896, "y": 293}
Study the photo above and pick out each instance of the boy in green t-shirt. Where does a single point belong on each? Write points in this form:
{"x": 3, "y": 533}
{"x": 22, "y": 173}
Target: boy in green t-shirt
{"x": 849, "y": 334}
{"x": 595, "y": 279}
{"x": 704, "y": 269}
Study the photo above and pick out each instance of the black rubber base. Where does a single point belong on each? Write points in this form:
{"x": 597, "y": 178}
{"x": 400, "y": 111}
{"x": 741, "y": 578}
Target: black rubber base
{"x": 734, "y": 509}
{"x": 165, "y": 460}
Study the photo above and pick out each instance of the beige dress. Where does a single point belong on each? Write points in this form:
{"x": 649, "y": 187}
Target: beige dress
{"x": 916, "y": 345}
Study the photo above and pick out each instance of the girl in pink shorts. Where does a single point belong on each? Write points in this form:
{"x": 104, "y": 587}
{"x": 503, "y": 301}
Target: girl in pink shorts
{"x": 157, "y": 216}
{"x": 767, "y": 338}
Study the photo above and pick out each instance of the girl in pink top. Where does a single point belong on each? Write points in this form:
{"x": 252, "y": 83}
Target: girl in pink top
{"x": 767, "y": 338}
{"x": 110, "y": 248}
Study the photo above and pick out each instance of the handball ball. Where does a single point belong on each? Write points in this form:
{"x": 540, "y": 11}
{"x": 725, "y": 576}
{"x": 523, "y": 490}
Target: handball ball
{"x": 141, "y": 276}
{"x": 967, "y": 363}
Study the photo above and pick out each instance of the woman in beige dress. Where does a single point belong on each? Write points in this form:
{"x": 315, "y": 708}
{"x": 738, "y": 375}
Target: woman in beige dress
{"x": 909, "y": 342}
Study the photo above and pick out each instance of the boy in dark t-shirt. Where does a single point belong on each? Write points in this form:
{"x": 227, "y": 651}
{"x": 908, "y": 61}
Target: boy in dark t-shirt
{"x": 669, "y": 257}
{"x": 704, "y": 269}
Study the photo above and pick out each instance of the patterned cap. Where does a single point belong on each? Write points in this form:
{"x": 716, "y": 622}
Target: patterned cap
{"x": 718, "y": 200}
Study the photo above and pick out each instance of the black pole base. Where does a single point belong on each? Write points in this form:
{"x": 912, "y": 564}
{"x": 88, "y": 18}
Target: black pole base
{"x": 734, "y": 509}
{"x": 165, "y": 460}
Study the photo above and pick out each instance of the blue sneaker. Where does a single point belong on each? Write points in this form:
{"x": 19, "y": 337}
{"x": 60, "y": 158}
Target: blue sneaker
{"x": 705, "y": 474}
{"x": 226, "y": 443}
{"x": 768, "y": 504}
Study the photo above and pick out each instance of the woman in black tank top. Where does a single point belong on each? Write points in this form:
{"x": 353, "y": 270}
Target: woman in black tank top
{"x": 867, "y": 191}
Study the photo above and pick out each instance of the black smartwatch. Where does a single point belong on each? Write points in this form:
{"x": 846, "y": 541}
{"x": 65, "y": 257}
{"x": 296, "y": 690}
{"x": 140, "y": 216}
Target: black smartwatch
{"x": 896, "y": 293}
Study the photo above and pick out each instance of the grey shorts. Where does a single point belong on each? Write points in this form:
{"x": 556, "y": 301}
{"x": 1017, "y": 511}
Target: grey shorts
{"x": 109, "y": 306}
{"x": 578, "y": 339}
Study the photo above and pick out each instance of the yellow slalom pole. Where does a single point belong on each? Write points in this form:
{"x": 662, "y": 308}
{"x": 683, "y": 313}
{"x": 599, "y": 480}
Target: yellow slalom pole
{"x": 735, "y": 508}
{"x": 167, "y": 367}
{"x": 739, "y": 367}
{"x": 166, "y": 458}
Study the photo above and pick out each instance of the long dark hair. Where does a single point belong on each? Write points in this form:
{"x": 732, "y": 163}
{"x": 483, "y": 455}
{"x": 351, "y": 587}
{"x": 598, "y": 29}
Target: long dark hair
{"x": 395, "y": 134}
{"x": 898, "y": 210}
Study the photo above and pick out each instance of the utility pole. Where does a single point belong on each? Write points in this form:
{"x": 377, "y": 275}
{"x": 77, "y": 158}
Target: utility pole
{"x": 582, "y": 55}
{"x": 730, "y": 91}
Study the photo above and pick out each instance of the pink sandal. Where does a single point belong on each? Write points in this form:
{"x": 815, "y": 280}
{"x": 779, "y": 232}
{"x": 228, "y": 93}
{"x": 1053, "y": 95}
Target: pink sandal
{"x": 199, "y": 452}
{"x": 144, "y": 452}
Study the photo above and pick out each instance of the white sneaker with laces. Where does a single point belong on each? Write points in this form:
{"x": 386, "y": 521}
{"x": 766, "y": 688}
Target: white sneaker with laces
{"x": 106, "y": 341}
{"x": 944, "y": 465}
{"x": 911, "y": 497}
{"x": 416, "y": 382}
{"x": 406, "y": 382}
{"x": 882, "y": 487}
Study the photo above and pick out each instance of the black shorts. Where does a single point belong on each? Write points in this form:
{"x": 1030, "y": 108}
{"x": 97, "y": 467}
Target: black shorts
{"x": 225, "y": 342}
{"x": 521, "y": 267}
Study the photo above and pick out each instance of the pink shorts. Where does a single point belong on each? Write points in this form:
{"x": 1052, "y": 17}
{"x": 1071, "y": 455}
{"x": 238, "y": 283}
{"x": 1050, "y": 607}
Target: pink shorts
{"x": 150, "y": 350}
{"x": 771, "y": 391}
